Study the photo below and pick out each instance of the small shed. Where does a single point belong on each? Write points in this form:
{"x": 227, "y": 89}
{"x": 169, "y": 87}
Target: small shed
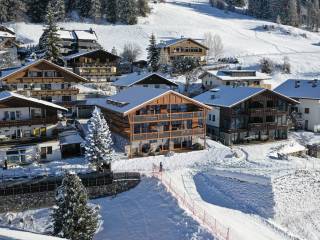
{"x": 71, "y": 144}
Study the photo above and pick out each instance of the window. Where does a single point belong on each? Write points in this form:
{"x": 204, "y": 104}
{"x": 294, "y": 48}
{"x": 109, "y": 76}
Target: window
{"x": 45, "y": 86}
{"x": 145, "y": 85}
{"x": 49, "y": 150}
{"x": 213, "y": 118}
{"x": 307, "y": 110}
{"x": 157, "y": 86}
{"x": 66, "y": 98}
{"x": 209, "y": 117}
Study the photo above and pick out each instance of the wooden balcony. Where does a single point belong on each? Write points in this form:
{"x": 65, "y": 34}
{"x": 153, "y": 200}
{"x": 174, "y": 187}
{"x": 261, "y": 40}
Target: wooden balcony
{"x": 168, "y": 134}
{"x": 60, "y": 92}
{"x": 26, "y": 140}
{"x": 167, "y": 117}
{"x": 29, "y": 122}
{"x": 38, "y": 80}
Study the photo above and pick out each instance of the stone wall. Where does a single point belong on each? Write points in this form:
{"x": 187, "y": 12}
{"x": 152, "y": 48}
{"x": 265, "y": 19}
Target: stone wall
{"x": 22, "y": 202}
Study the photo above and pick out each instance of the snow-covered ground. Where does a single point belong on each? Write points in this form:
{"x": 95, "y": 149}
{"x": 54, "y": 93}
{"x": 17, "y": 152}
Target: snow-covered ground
{"x": 9, "y": 234}
{"x": 143, "y": 213}
{"x": 248, "y": 189}
{"x": 243, "y": 36}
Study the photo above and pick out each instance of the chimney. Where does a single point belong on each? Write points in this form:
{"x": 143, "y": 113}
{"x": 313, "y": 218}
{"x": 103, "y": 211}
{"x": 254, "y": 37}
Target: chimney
{"x": 297, "y": 83}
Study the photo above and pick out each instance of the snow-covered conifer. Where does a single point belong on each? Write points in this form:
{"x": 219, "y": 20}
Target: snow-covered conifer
{"x": 99, "y": 144}
{"x": 128, "y": 11}
{"x": 153, "y": 54}
{"x": 143, "y": 7}
{"x": 50, "y": 38}
{"x": 72, "y": 217}
{"x": 112, "y": 11}
{"x": 114, "y": 51}
{"x": 95, "y": 10}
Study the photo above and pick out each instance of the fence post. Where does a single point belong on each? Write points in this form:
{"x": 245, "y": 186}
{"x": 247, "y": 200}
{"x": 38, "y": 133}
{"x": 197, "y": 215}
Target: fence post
{"x": 228, "y": 232}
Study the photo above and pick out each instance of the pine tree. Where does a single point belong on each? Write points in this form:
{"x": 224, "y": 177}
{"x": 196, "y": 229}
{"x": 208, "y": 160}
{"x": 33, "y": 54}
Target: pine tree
{"x": 50, "y": 38}
{"x": 72, "y": 217}
{"x": 3, "y": 11}
{"x": 128, "y": 11}
{"x": 112, "y": 11}
{"x": 95, "y": 10}
{"x": 36, "y": 10}
{"x": 114, "y": 51}
{"x": 58, "y": 7}
{"x": 16, "y": 10}
{"x": 293, "y": 18}
{"x": 153, "y": 54}
{"x": 143, "y": 7}
{"x": 84, "y": 7}
{"x": 98, "y": 145}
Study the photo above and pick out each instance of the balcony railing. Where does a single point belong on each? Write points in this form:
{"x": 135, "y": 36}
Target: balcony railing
{"x": 39, "y": 80}
{"x": 26, "y": 140}
{"x": 167, "y": 117}
{"x": 29, "y": 122}
{"x": 172, "y": 134}
{"x": 59, "y": 92}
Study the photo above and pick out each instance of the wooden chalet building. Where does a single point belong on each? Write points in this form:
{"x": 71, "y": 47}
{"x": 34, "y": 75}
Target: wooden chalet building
{"x": 96, "y": 65}
{"x": 155, "y": 121}
{"x": 28, "y": 124}
{"x": 181, "y": 48}
{"x": 244, "y": 114}
{"x": 235, "y": 78}
{"x": 147, "y": 80}
{"x": 44, "y": 80}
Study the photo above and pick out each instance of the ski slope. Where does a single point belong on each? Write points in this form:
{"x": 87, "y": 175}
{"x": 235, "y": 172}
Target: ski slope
{"x": 242, "y": 36}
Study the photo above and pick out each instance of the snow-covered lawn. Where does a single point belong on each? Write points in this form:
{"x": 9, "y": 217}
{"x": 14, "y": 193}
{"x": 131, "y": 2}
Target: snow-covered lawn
{"x": 242, "y": 36}
{"x": 143, "y": 213}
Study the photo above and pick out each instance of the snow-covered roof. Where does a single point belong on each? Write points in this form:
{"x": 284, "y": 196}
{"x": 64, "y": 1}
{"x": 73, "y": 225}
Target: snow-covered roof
{"x": 4, "y": 34}
{"x": 171, "y": 42}
{"x": 224, "y": 75}
{"x": 66, "y": 34}
{"x": 70, "y": 137}
{"x": 6, "y": 73}
{"x": 86, "y": 35}
{"x": 135, "y": 78}
{"x": 83, "y": 53}
{"x": 134, "y": 97}
{"x": 225, "y": 96}
{"x": 295, "y": 88}
{"x": 6, "y": 95}
{"x": 9, "y": 234}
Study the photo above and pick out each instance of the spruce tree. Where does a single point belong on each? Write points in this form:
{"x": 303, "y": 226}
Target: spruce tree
{"x": 293, "y": 18}
{"x": 112, "y": 11}
{"x": 153, "y": 54}
{"x": 128, "y": 11}
{"x": 36, "y": 10}
{"x": 143, "y": 7}
{"x": 95, "y": 10}
{"x": 50, "y": 38}
{"x": 72, "y": 217}
{"x": 98, "y": 144}
{"x": 3, "y": 11}
{"x": 84, "y": 6}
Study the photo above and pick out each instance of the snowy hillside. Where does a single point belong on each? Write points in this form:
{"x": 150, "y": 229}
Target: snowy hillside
{"x": 8, "y": 234}
{"x": 242, "y": 36}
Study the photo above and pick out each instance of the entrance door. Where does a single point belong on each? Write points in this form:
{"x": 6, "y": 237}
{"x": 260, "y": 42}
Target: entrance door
{"x": 306, "y": 124}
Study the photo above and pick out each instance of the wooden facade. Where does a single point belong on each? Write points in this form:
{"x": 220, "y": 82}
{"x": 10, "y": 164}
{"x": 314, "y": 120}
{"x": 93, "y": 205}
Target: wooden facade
{"x": 98, "y": 65}
{"x": 262, "y": 117}
{"x": 44, "y": 80}
{"x": 183, "y": 48}
{"x": 171, "y": 122}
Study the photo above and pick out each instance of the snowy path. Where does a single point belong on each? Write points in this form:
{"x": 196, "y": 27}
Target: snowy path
{"x": 242, "y": 226}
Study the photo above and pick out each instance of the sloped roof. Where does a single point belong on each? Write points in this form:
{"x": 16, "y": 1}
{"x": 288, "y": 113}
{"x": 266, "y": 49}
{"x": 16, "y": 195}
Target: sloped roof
{"x": 135, "y": 78}
{"x": 83, "y": 53}
{"x": 224, "y": 96}
{"x": 5, "y": 95}
{"x": 132, "y": 98}
{"x": 70, "y": 137}
{"x": 221, "y": 74}
{"x": 307, "y": 89}
{"x": 85, "y": 34}
{"x": 171, "y": 42}
{"x": 66, "y": 34}
{"x": 5, "y": 74}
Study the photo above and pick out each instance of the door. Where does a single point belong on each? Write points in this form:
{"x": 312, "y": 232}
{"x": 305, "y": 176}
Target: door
{"x": 306, "y": 124}
{"x": 43, "y": 153}
{"x": 12, "y": 116}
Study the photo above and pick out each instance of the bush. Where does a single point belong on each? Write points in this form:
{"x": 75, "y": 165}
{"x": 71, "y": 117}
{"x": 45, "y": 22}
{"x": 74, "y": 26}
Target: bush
{"x": 267, "y": 65}
{"x": 197, "y": 146}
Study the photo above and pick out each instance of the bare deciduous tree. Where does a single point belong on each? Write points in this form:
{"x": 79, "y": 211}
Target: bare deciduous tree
{"x": 215, "y": 45}
{"x": 130, "y": 52}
